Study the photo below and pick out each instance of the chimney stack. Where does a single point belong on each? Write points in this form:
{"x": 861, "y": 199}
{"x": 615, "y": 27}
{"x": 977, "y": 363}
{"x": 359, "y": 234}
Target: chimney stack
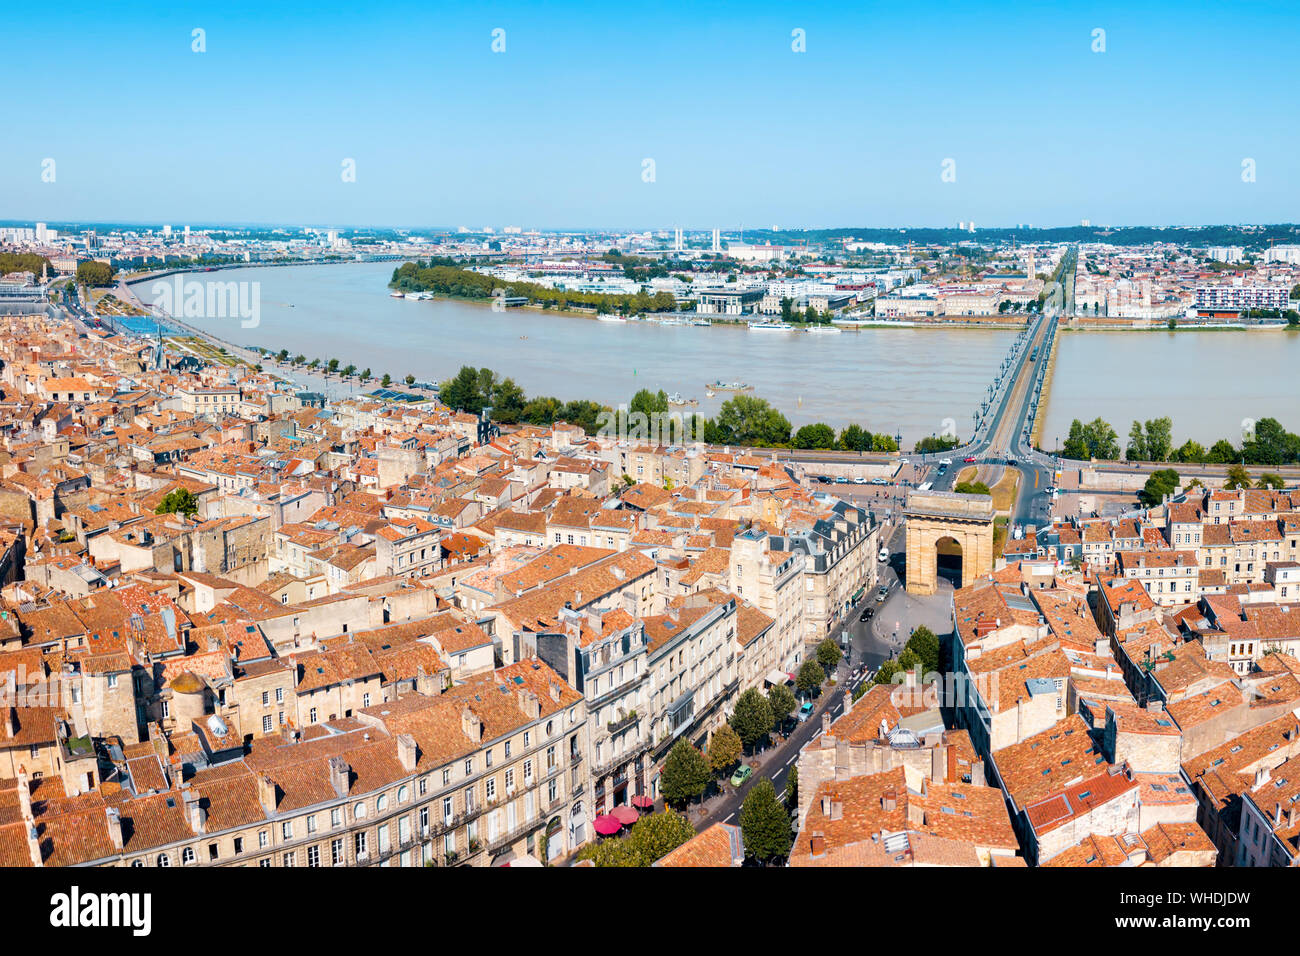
{"x": 837, "y": 807}
{"x": 471, "y": 726}
{"x": 194, "y": 812}
{"x": 889, "y": 800}
{"x": 848, "y": 703}
{"x": 977, "y": 773}
{"x": 406, "y": 752}
{"x": 817, "y": 844}
{"x": 114, "y": 826}
{"x": 340, "y": 776}
{"x": 939, "y": 763}
{"x": 826, "y": 721}
{"x": 266, "y": 794}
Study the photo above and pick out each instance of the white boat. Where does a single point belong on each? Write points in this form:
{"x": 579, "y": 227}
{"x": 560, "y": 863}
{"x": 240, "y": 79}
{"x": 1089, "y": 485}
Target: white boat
{"x": 823, "y": 330}
{"x": 611, "y": 318}
{"x": 704, "y": 322}
{"x": 398, "y": 295}
{"x": 771, "y": 327}
{"x": 676, "y": 398}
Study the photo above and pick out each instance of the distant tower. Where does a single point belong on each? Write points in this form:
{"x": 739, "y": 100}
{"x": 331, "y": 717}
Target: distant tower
{"x": 1029, "y": 266}
{"x": 717, "y": 241}
{"x": 677, "y": 239}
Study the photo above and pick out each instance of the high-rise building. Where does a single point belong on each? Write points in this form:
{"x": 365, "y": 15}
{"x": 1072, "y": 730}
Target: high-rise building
{"x": 42, "y": 234}
{"x": 717, "y": 240}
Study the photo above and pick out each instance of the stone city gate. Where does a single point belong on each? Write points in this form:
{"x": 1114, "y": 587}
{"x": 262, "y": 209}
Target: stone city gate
{"x": 933, "y": 516}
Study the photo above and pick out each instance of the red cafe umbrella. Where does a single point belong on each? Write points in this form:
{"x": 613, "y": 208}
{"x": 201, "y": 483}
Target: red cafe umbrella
{"x": 607, "y": 825}
{"x": 625, "y": 815}
{"x": 643, "y": 801}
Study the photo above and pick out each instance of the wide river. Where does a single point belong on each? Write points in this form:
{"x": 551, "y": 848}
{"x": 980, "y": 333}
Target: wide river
{"x": 908, "y": 379}
{"x": 883, "y": 379}
{"x": 1207, "y": 382}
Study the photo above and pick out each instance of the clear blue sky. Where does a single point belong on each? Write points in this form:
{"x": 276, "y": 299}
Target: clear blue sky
{"x": 552, "y": 132}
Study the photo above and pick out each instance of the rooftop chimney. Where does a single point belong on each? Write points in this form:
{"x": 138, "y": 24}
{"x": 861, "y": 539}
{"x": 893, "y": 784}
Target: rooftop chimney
{"x": 266, "y": 794}
{"x": 340, "y": 775}
{"x": 837, "y": 807}
{"x": 406, "y": 752}
{"x": 194, "y": 812}
{"x": 977, "y": 773}
{"x": 939, "y": 763}
{"x": 471, "y": 726}
{"x": 889, "y": 800}
{"x": 848, "y": 703}
{"x": 817, "y": 844}
{"x": 114, "y": 826}
{"x": 826, "y": 721}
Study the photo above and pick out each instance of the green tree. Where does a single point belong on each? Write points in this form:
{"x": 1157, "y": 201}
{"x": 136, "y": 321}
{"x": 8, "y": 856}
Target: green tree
{"x": 1159, "y": 439}
{"x": 972, "y": 488}
{"x": 749, "y": 420}
{"x": 792, "y": 788}
{"x": 365, "y": 373}
{"x": 1221, "y": 453}
{"x": 885, "y": 674}
{"x": 815, "y": 436}
{"x": 333, "y": 365}
{"x": 724, "y": 748}
{"x": 925, "y": 644}
{"x": 1137, "y": 443}
{"x": 752, "y": 718}
{"x": 656, "y": 835}
{"x": 1271, "y": 444}
{"x": 1161, "y": 482}
{"x": 1191, "y": 451}
{"x": 410, "y": 380}
{"x": 386, "y": 381}
{"x": 685, "y": 774}
{"x": 95, "y": 273}
{"x": 178, "y": 501}
{"x": 855, "y": 438}
{"x": 1270, "y": 480}
{"x": 782, "y": 702}
{"x": 1238, "y": 477}
{"x": 765, "y": 824}
{"x": 810, "y": 677}
{"x": 299, "y": 359}
{"x": 828, "y": 655}
{"x": 282, "y": 355}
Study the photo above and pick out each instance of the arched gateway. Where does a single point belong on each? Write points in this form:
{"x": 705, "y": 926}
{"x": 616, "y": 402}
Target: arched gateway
{"x": 948, "y": 535}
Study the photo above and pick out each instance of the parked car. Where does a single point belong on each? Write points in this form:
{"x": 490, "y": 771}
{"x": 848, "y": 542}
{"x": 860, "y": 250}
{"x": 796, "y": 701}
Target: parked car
{"x": 859, "y": 480}
{"x": 879, "y": 481}
{"x": 805, "y": 711}
{"x": 743, "y": 773}
{"x": 882, "y": 594}
{"x": 884, "y": 554}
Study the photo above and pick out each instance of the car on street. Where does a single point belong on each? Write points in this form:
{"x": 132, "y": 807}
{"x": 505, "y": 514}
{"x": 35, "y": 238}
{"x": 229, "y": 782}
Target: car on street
{"x": 879, "y": 481}
{"x": 805, "y": 711}
{"x": 969, "y": 459}
{"x": 1011, "y": 461}
{"x": 743, "y": 773}
{"x": 859, "y": 480}
{"x": 882, "y": 593}
{"x": 841, "y": 480}
{"x": 945, "y": 461}
{"x": 868, "y": 613}
{"x": 884, "y": 554}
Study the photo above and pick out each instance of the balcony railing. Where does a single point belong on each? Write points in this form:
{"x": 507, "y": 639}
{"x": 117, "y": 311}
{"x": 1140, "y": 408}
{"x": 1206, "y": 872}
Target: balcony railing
{"x": 614, "y": 726}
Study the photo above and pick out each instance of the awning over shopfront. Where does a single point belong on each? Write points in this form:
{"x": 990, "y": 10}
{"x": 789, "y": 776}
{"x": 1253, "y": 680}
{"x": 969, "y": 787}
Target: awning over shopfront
{"x": 779, "y": 677}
